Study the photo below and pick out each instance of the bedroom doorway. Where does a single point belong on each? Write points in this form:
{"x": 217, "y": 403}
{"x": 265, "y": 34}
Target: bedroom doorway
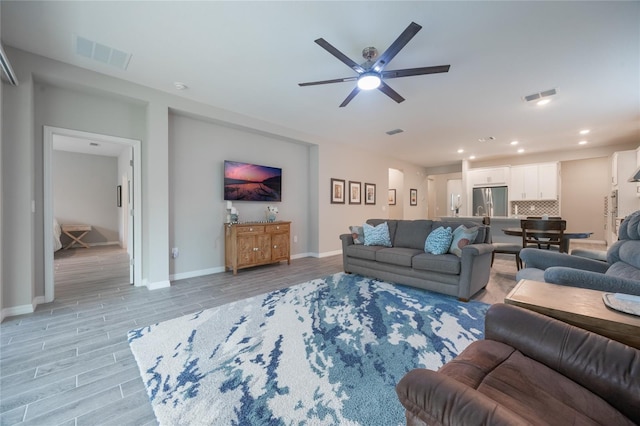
{"x": 126, "y": 190}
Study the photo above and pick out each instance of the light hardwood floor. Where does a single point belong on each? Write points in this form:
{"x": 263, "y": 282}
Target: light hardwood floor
{"x": 69, "y": 362}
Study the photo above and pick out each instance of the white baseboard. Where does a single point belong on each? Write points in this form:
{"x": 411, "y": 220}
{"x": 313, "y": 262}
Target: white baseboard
{"x": 193, "y": 274}
{"x": 159, "y": 284}
{"x": 330, "y": 253}
{"x": 12, "y": 311}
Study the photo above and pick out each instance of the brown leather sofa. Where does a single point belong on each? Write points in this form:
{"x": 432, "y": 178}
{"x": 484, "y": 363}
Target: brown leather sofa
{"x": 529, "y": 369}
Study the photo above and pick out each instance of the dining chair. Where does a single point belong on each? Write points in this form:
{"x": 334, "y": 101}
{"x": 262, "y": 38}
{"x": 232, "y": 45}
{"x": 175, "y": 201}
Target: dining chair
{"x": 549, "y": 218}
{"x": 504, "y": 247}
{"x": 531, "y": 229}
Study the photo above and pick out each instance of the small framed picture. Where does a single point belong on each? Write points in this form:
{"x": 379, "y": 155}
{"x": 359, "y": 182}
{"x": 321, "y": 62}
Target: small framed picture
{"x": 392, "y": 197}
{"x": 355, "y": 189}
{"x": 337, "y": 191}
{"x": 369, "y": 193}
{"x": 413, "y": 197}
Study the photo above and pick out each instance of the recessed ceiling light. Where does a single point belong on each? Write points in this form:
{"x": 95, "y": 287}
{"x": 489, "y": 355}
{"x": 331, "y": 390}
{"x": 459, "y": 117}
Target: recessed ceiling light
{"x": 521, "y": 150}
{"x": 180, "y": 86}
{"x": 585, "y": 132}
{"x": 472, "y": 157}
{"x": 582, "y": 143}
{"x": 542, "y": 102}
{"x": 460, "y": 151}
{"x": 514, "y": 142}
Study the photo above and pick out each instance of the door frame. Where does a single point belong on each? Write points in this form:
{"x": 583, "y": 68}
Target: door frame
{"x": 136, "y": 197}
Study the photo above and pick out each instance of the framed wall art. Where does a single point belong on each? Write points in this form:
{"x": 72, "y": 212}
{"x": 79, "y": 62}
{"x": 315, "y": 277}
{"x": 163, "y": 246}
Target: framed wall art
{"x": 413, "y": 197}
{"x": 337, "y": 191}
{"x": 392, "y": 197}
{"x": 355, "y": 192}
{"x": 369, "y": 193}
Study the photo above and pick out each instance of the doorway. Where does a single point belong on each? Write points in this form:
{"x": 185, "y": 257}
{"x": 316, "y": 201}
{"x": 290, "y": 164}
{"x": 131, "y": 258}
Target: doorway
{"x": 130, "y": 235}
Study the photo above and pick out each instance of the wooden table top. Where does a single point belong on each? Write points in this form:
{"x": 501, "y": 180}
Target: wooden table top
{"x": 578, "y": 306}
{"x": 569, "y": 234}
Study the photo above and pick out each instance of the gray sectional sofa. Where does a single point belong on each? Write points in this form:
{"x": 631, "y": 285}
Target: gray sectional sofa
{"x": 407, "y": 263}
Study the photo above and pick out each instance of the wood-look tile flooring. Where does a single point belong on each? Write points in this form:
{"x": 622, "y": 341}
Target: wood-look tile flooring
{"x": 69, "y": 362}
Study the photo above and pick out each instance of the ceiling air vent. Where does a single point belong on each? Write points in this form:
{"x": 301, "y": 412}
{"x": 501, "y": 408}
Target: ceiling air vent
{"x": 394, "y": 132}
{"x": 101, "y": 53}
{"x": 537, "y": 97}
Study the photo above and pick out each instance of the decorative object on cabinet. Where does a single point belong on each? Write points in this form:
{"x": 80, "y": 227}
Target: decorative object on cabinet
{"x": 355, "y": 196}
{"x": 369, "y": 193}
{"x": 255, "y": 243}
{"x": 392, "y": 197}
{"x": 337, "y": 191}
{"x": 413, "y": 197}
{"x": 272, "y": 212}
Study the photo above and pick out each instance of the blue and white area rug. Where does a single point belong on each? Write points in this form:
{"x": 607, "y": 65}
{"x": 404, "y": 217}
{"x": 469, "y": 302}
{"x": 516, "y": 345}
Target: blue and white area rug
{"x": 325, "y": 352}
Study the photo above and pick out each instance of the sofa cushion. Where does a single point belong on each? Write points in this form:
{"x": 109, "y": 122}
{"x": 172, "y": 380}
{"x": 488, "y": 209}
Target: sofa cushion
{"x": 483, "y": 230}
{"x": 462, "y": 236}
{"x": 361, "y": 251}
{"x": 357, "y": 233}
{"x": 392, "y": 224}
{"x": 397, "y": 255}
{"x": 438, "y": 241}
{"x": 412, "y": 233}
{"x": 624, "y": 270}
{"x": 444, "y": 263}
{"x": 376, "y": 235}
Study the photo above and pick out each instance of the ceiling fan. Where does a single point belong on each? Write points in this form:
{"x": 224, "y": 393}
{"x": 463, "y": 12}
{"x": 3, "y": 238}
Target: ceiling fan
{"x": 371, "y": 74}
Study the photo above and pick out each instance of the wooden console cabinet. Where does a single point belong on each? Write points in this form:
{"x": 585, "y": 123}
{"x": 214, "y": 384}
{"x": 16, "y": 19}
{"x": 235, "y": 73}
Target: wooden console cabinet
{"x": 252, "y": 244}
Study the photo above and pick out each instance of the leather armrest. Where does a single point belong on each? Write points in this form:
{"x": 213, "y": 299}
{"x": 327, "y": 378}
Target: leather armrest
{"x": 543, "y": 259}
{"x": 608, "y": 368}
{"x": 438, "y": 399}
{"x": 591, "y": 280}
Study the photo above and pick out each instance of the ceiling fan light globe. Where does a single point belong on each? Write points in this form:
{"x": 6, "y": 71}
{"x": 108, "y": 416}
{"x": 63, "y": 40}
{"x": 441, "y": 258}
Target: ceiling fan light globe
{"x": 369, "y": 81}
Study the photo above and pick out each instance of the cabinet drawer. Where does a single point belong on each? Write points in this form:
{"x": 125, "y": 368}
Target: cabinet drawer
{"x": 250, "y": 229}
{"x": 277, "y": 228}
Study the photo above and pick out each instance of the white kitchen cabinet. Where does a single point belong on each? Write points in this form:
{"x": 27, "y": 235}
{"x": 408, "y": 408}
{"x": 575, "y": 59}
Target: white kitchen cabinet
{"x": 495, "y": 176}
{"x": 534, "y": 182}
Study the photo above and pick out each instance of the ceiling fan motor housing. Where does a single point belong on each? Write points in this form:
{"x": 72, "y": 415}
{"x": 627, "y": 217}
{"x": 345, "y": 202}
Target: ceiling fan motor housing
{"x": 369, "y": 53}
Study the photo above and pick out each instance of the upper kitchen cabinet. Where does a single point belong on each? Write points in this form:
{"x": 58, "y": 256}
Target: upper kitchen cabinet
{"x": 494, "y": 176}
{"x": 534, "y": 182}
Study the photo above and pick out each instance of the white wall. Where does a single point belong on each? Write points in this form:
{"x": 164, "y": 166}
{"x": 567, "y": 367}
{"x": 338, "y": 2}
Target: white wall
{"x": 197, "y": 150}
{"x": 84, "y": 193}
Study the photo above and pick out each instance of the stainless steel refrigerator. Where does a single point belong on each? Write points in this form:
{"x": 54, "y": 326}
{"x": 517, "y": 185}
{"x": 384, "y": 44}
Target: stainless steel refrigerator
{"x": 490, "y": 201}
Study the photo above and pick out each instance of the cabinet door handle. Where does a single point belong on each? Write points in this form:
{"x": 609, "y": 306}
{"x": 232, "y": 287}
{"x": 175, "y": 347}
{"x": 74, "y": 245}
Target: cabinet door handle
{"x": 250, "y": 229}
{"x": 277, "y": 227}
{"x": 275, "y": 246}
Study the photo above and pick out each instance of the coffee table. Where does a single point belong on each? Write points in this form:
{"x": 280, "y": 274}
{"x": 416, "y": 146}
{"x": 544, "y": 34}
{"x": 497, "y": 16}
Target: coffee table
{"x": 577, "y": 306}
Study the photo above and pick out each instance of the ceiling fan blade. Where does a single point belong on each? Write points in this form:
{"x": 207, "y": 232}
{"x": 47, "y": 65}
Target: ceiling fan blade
{"x": 396, "y": 46}
{"x": 352, "y": 95}
{"x": 415, "y": 71}
{"x": 384, "y": 88}
{"x": 338, "y": 54}
{"x": 335, "y": 80}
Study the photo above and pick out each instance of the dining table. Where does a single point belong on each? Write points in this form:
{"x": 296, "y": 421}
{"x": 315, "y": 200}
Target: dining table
{"x": 567, "y": 236}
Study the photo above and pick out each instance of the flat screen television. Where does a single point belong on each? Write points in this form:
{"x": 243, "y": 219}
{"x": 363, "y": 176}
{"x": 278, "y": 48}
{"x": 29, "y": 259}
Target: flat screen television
{"x": 251, "y": 182}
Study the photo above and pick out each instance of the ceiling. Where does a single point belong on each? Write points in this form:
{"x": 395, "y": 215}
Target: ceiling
{"x": 248, "y": 57}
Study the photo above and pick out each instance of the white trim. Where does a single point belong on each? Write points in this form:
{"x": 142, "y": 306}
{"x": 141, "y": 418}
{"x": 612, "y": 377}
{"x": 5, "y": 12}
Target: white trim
{"x": 17, "y": 310}
{"x": 159, "y": 284}
{"x": 49, "y": 132}
{"x": 193, "y": 274}
{"x": 330, "y": 253}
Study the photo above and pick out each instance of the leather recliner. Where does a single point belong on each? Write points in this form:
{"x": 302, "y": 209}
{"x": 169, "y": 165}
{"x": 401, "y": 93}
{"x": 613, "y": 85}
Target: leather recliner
{"x": 529, "y": 369}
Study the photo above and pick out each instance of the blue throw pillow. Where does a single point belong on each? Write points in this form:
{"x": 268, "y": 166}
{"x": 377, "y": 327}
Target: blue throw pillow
{"x": 357, "y": 233}
{"x": 376, "y": 235}
{"x": 438, "y": 241}
{"x": 462, "y": 236}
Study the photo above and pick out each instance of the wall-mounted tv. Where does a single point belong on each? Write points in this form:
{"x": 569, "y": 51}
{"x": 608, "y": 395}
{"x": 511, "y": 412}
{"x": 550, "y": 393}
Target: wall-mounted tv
{"x": 251, "y": 182}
